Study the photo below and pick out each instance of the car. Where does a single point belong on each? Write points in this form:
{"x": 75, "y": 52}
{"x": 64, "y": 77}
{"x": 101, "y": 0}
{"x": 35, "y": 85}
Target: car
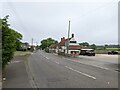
{"x": 113, "y": 52}
{"x": 88, "y": 52}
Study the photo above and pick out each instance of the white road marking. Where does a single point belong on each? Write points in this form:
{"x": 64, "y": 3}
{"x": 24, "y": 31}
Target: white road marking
{"x": 91, "y": 65}
{"x": 15, "y": 61}
{"x": 57, "y": 62}
{"x": 101, "y": 67}
{"x": 80, "y": 72}
{"x": 46, "y": 57}
{"x": 55, "y": 54}
{"x": 108, "y": 82}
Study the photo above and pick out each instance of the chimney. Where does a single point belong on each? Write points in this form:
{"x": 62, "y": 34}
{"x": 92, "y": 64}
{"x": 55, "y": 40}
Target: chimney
{"x": 62, "y": 39}
{"x": 72, "y": 35}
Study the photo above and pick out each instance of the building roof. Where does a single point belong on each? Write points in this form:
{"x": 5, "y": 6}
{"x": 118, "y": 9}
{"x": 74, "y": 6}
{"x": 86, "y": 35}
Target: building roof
{"x": 74, "y": 47}
{"x": 63, "y": 40}
{"x": 53, "y": 45}
{"x": 62, "y": 43}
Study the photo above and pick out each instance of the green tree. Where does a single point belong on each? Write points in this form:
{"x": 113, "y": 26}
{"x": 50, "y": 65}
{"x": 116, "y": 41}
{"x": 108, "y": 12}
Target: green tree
{"x": 10, "y": 41}
{"x": 47, "y": 42}
{"x": 93, "y": 46}
{"x": 105, "y": 46}
{"x": 84, "y": 44}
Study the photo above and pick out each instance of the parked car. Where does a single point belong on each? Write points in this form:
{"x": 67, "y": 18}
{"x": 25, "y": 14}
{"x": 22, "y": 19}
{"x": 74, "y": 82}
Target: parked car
{"x": 113, "y": 52}
{"x": 88, "y": 52}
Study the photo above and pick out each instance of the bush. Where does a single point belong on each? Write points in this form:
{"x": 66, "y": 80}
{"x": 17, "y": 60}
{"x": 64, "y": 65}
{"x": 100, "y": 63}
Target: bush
{"x": 10, "y": 41}
{"x": 47, "y": 50}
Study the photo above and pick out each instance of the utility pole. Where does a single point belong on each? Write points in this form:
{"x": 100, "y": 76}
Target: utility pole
{"x": 32, "y": 41}
{"x": 68, "y": 37}
{"x": 36, "y": 43}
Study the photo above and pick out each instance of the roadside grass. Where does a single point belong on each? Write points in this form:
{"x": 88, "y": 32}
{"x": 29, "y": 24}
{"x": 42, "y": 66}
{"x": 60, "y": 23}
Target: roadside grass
{"x": 109, "y": 49}
{"x": 21, "y": 53}
{"x": 117, "y": 49}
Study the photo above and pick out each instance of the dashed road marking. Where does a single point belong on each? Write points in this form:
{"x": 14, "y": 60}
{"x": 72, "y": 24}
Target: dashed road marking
{"x": 81, "y": 72}
{"x": 91, "y": 65}
{"x": 57, "y": 62}
{"x": 55, "y": 54}
{"x": 46, "y": 57}
{"x": 101, "y": 67}
{"x": 15, "y": 61}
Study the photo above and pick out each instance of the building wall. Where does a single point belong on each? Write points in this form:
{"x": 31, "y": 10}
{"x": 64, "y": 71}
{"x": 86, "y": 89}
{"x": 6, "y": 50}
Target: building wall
{"x": 69, "y": 51}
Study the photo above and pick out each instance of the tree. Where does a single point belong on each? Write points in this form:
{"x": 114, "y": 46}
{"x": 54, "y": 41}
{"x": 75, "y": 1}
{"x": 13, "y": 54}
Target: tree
{"x": 93, "y": 46}
{"x": 47, "y": 42}
{"x": 84, "y": 44}
{"x": 10, "y": 41}
{"x": 105, "y": 46}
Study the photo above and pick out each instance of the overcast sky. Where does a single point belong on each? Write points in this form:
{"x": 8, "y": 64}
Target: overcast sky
{"x": 94, "y": 21}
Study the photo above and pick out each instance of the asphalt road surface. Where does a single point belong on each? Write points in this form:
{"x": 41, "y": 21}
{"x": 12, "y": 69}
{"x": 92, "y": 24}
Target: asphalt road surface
{"x": 54, "y": 71}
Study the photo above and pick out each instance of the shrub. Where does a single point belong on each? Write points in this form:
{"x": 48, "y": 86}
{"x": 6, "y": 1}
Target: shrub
{"x": 10, "y": 40}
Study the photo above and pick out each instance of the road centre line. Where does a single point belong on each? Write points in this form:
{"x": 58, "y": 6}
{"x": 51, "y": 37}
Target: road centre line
{"x": 81, "y": 72}
{"x": 101, "y": 67}
{"x": 83, "y": 63}
{"x": 54, "y": 61}
{"x": 46, "y": 57}
{"x": 57, "y": 62}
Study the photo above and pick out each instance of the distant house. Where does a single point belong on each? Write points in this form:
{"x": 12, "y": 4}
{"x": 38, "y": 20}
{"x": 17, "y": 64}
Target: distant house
{"x": 73, "y": 46}
{"x": 63, "y": 47}
{"x": 53, "y": 48}
{"x": 25, "y": 46}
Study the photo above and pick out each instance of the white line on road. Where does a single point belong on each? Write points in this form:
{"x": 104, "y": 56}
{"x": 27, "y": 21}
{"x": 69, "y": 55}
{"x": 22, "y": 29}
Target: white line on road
{"x": 57, "y": 62}
{"x": 101, "y": 67}
{"x": 55, "y": 54}
{"x": 91, "y": 65}
{"x": 46, "y": 57}
{"x": 81, "y": 72}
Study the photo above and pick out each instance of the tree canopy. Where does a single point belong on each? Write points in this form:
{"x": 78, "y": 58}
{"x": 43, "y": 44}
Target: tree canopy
{"x": 93, "y": 46}
{"x": 47, "y": 42}
{"x": 84, "y": 44}
{"x": 10, "y": 41}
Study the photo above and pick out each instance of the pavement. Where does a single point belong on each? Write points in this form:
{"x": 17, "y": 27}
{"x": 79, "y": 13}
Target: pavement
{"x": 16, "y": 74}
{"x": 0, "y": 85}
{"x": 0, "y": 79}
{"x": 54, "y": 71}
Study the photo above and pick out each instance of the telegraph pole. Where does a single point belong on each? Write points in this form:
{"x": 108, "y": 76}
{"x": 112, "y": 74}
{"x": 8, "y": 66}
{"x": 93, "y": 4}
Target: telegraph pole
{"x": 32, "y": 41}
{"x": 68, "y": 37}
{"x": 36, "y": 43}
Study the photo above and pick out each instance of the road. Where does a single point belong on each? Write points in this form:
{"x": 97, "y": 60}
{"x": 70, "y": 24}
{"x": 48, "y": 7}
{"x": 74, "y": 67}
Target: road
{"x": 54, "y": 71}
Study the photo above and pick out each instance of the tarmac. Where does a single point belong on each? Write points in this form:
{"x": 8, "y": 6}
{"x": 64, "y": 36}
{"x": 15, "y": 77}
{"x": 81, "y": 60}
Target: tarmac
{"x": 16, "y": 74}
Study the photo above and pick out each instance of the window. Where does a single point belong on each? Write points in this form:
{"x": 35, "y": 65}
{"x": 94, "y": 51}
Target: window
{"x": 73, "y": 42}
